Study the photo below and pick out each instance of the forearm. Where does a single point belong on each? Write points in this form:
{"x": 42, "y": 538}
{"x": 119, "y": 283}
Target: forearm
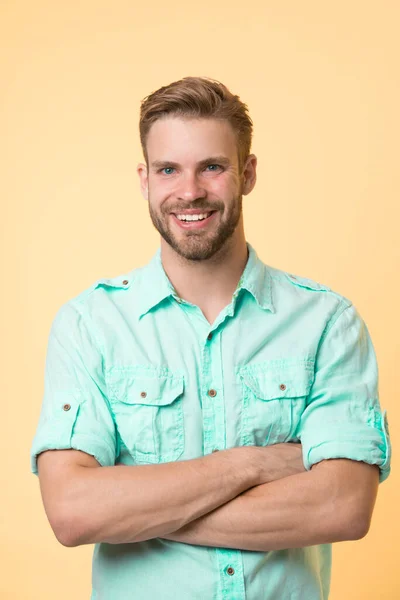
{"x": 124, "y": 504}
{"x": 292, "y": 512}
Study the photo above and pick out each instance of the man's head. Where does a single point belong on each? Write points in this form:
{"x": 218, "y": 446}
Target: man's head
{"x": 196, "y": 139}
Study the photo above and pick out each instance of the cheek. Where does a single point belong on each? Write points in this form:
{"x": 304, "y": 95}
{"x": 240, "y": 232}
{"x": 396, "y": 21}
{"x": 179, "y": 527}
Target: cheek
{"x": 223, "y": 187}
{"x": 158, "y": 194}
{"x": 161, "y": 189}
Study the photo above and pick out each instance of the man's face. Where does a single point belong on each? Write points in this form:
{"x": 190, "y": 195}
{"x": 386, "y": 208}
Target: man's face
{"x": 193, "y": 170}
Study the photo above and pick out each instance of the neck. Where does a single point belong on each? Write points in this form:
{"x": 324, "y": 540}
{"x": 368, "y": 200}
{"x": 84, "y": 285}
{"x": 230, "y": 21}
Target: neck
{"x": 208, "y": 283}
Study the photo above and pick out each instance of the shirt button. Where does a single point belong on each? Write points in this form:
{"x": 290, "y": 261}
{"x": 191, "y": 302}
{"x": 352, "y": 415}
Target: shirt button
{"x": 212, "y": 393}
{"x": 230, "y": 571}
{"x": 209, "y": 337}
{"x": 66, "y": 406}
{"x": 282, "y": 386}
{"x": 143, "y": 394}
{"x": 125, "y": 282}
{"x": 215, "y": 450}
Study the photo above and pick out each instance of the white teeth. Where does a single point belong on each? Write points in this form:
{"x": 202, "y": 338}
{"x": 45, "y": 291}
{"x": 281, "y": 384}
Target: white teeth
{"x": 192, "y": 217}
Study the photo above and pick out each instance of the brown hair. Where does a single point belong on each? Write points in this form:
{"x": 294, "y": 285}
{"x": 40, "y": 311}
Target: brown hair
{"x": 198, "y": 97}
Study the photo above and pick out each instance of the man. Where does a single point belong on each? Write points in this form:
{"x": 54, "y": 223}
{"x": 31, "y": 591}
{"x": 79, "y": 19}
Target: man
{"x": 186, "y": 379}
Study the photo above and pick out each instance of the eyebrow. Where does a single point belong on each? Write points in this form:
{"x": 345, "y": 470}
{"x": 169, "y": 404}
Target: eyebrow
{"x": 221, "y": 160}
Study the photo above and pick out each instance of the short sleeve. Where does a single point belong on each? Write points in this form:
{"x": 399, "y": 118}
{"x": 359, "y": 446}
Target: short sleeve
{"x": 75, "y": 411}
{"x": 343, "y": 417}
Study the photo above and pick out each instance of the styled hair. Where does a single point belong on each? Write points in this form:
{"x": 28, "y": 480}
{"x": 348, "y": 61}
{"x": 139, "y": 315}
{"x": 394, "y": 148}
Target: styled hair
{"x": 198, "y": 97}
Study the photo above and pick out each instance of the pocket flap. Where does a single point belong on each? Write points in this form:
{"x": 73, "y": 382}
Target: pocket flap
{"x": 282, "y": 383}
{"x": 153, "y": 391}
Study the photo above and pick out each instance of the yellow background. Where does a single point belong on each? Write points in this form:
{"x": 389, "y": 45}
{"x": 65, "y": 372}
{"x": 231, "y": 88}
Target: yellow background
{"x": 321, "y": 80}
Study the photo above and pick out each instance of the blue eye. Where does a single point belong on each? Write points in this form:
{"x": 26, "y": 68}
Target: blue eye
{"x": 167, "y": 169}
{"x": 217, "y": 167}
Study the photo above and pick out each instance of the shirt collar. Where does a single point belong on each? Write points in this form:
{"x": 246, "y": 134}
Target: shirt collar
{"x": 257, "y": 280}
{"x": 155, "y": 285}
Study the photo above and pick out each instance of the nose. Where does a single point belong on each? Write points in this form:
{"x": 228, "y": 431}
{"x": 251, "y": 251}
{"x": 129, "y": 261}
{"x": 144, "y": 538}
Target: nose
{"x": 190, "y": 188}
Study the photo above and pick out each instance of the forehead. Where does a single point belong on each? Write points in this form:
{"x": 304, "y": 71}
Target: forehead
{"x": 178, "y": 139}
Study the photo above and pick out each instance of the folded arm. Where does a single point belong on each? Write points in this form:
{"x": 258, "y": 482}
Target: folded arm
{"x": 333, "y": 502}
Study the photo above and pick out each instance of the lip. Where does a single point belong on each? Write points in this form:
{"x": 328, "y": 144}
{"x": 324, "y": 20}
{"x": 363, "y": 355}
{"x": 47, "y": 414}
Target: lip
{"x": 193, "y": 211}
{"x": 194, "y": 224}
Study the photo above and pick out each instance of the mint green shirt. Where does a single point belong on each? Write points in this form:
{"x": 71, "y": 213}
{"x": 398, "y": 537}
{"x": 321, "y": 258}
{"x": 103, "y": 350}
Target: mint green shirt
{"x": 136, "y": 375}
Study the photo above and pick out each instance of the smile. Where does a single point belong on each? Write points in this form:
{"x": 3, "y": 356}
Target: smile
{"x": 198, "y": 221}
{"x": 198, "y": 217}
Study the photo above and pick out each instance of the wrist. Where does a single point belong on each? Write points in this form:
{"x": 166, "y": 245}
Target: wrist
{"x": 249, "y": 465}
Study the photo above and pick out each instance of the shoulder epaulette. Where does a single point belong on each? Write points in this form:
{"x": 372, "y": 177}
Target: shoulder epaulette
{"x": 307, "y": 283}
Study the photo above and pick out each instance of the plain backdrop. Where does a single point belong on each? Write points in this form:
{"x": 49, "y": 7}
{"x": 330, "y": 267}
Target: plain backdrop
{"x": 321, "y": 80}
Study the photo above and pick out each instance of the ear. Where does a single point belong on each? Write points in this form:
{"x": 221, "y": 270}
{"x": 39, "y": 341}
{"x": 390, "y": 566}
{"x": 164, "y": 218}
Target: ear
{"x": 143, "y": 178}
{"x": 249, "y": 174}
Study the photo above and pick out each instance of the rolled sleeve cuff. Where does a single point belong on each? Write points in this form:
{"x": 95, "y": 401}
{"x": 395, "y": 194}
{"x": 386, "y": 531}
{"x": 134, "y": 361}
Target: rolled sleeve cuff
{"x": 370, "y": 444}
{"x": 47, "y": 439}
{"x": 58, "y": 434}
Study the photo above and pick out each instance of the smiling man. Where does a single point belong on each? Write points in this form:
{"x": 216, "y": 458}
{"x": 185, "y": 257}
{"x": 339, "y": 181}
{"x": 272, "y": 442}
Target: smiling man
{"x": 201, "y": 220}
{"x": 210, "y": 422}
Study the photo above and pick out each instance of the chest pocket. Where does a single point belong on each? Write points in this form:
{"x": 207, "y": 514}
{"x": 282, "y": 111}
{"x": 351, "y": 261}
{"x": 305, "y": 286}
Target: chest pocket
{"x": 274, "y": 397}
{"x": 148, "y": 412}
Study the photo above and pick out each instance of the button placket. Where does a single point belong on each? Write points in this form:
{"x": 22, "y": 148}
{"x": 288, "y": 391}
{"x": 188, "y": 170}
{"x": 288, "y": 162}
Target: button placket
{"x": 231, "y": 573}
{"x": 213, "y": 394}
